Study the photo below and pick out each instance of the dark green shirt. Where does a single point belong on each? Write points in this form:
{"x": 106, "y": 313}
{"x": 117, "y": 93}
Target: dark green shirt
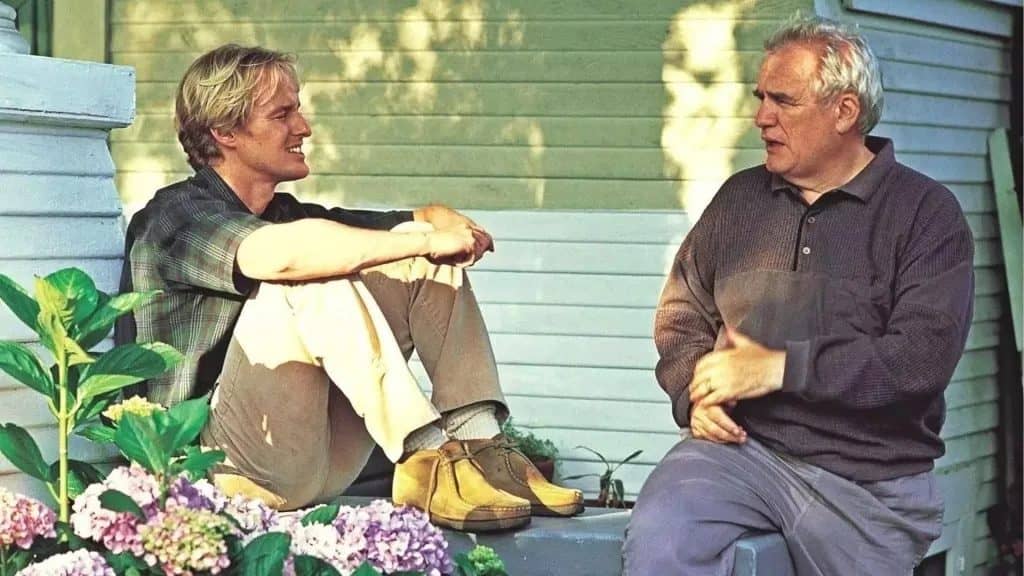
{"x": 184, "y": 243}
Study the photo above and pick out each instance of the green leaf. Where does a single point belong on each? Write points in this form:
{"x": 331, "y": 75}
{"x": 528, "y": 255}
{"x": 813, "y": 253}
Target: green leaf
{"x": 78, "y": 291}
{"x": 313, "y": 566}
{"x": 15, "y": 297}
{"x": 138, "y": 440}
{"x": 19, "y": 447}
{"x": 76, "y": 355}
{"x": 18, "y": 560}
{"x": 126, "y": 365}
{"x": 80, "y": 475}
{"x": 365, "y": 569}
{"x": 95, "y": 406}
{"x": 627, "y": 459}
{"x": 197, "y": 463}
{"x": 51, "y": 332}
{"x": 18, "y": 361}
{"x": 464, "y": 564}
{"x": 322, "y": 515}
{"x": 125, "y": 562}
{"x": 97, "y": 326}
{"x": 118, "y": 501}
{"x": 265, "y": 555}
{"x": 97, "y": 433}
{"x": 186, "y": 421}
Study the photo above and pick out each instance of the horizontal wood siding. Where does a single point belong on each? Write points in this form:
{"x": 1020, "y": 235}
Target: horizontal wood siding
{"x": 533, "y": 104}
{"x": 938, "y": 77}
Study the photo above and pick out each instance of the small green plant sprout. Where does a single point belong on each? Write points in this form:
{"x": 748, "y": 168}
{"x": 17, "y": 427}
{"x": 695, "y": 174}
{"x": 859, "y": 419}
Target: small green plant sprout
{"x": 70, "y": 316}
{"x": 532, "y": 446}
{"x": 612, "y": 493}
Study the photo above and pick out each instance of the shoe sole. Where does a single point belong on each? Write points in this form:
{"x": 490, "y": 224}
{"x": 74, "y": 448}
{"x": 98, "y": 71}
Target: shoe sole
{"x": 491, "y": 525}
{"x": 561, "y": 511}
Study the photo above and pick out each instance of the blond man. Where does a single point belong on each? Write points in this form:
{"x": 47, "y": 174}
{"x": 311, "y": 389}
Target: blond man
{"x": 301, "y": 319}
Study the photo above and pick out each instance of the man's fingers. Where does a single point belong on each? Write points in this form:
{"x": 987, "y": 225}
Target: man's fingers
{"x": 721, "y": 419}
{"x": 710, "y": 430}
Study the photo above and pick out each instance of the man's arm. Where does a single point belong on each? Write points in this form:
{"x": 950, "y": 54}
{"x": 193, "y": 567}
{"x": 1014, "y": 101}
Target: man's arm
{"x": 316, "y": 248}
{"x": 685, "y": 326}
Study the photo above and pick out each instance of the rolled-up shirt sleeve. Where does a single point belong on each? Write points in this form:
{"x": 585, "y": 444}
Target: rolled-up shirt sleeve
{"x": 200, "y": 250}
{"x": 926, "y": 330}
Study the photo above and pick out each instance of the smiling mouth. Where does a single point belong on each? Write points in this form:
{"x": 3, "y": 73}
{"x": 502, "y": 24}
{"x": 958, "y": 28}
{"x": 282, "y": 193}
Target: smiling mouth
{"x": 295, "y": 149}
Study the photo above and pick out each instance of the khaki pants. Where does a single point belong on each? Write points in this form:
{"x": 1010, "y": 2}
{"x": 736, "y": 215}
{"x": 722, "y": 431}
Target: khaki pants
{"x": 316, "y": 374}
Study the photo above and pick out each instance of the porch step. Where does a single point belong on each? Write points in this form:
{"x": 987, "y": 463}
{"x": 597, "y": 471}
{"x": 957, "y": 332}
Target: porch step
{"x": 586, "y": 545}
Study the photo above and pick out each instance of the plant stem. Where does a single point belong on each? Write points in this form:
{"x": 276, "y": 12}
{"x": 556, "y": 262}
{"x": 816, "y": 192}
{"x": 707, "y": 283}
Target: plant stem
{"x": 62, "y": 439}
{"x": 3, "y": 561}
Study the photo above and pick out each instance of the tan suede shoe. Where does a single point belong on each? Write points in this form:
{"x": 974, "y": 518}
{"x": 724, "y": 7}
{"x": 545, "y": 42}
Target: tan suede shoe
{"x": 451, "y": 488}
{"x": 507, "y": 468}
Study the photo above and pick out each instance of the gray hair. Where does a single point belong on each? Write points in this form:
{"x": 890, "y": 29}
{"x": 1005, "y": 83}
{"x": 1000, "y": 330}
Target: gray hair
{"x": 846, "y": 64}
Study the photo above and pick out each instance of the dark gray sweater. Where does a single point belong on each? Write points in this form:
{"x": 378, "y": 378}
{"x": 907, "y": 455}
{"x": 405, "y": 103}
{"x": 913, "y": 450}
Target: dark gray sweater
{"x": 869, "y": 291}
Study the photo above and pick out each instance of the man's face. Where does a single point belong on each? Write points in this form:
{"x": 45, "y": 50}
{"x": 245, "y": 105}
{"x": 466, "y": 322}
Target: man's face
{"x": 269, "y": 143}
{"x": 799, "y": 131}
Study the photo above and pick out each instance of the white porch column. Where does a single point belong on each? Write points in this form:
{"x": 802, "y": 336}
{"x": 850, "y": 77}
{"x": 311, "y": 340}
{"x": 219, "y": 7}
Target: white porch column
{"x": 58, "y": 204}
{"x": 10, "y": 40}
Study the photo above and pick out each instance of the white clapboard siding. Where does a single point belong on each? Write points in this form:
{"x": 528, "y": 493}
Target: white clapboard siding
{"x": 58, "y": 208}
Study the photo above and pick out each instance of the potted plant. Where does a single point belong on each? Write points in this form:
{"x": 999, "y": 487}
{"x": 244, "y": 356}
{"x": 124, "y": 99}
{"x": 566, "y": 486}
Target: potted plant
{"x": 541, "y": 451}
{"x": 611, "y": 493}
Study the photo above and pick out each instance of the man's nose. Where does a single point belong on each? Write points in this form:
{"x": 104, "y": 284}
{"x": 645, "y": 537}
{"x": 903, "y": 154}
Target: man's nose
{"x": 302, "y": 128}
{"x": 765, "y": 116}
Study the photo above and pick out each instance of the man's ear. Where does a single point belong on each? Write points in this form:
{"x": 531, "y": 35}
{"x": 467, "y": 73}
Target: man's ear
{"x": 847, "y": 109}
{"x": 225, "y": 138}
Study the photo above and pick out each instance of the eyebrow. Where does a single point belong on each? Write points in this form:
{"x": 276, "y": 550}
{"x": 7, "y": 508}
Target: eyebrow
{"x": 780, "y": 96}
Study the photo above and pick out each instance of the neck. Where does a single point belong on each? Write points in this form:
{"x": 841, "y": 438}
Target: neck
{"x": 254, "y": 193}
{"x": 847, "y": 163}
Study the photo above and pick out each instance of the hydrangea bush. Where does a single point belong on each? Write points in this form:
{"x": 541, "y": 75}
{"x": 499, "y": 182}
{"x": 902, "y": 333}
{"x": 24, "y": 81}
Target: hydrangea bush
{"x": 158, "y": 515}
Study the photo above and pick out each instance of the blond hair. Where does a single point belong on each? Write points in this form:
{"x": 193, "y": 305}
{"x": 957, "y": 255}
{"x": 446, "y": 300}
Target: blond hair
{"x": 219, "y": 90}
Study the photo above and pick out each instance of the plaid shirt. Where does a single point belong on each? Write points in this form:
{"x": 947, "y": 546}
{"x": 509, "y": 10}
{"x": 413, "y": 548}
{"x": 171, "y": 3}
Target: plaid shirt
{"x": 184, "y": 243}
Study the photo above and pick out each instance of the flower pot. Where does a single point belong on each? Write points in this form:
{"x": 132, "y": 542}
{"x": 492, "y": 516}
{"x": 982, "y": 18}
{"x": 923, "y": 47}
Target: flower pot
{"x": 546, "y": 467}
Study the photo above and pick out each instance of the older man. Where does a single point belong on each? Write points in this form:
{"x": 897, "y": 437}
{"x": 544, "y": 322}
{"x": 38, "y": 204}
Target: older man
{"x": 812, "y": 319}
{"x": 302, "y": 318}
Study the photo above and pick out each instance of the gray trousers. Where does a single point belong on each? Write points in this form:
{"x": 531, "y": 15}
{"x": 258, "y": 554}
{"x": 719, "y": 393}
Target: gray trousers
{"x": 703, "y": 497}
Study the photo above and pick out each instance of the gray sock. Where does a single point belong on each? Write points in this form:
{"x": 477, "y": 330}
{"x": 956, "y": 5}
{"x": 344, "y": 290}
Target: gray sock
{"x": 428, "y": 437}
{"x": 472, "y": 422}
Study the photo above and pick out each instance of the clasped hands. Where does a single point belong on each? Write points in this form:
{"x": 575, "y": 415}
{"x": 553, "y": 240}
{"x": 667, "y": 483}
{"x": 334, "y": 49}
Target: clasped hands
{"x": 456, "y": 240}
{"x": 745, "y": 369}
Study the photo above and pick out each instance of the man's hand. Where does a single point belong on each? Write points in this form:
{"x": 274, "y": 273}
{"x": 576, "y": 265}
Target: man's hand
{"x": 712, "y": 422}
{"x": 443, "y": 218}
{"x": 745, "y": 370}
{"x": 454, "y": 246}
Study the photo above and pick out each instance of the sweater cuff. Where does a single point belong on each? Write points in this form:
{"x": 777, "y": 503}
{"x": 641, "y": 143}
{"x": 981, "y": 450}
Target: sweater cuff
{"x": 794, "y": 379}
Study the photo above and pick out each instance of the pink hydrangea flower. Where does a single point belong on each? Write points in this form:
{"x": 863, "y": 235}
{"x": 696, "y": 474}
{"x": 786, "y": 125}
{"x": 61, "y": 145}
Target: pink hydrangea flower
{"x": 117, "y": 531}
{"x": 22, "y": 519}
{"x": 77, "y": 563}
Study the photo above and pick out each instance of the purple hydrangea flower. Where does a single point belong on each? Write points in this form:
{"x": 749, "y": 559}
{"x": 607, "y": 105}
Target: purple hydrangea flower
{"x": 253, "y": 516}
{"x": 199, "y": 495}
{"x": 22, "y": 519}
{"x": 396, "y": 538}
{"x": 77, "y": 563}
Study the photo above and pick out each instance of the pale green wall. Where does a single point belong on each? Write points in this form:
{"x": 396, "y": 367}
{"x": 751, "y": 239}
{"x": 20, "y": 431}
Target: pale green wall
{"x": 80, "y": 29}
{"x": 500, "y": 104}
